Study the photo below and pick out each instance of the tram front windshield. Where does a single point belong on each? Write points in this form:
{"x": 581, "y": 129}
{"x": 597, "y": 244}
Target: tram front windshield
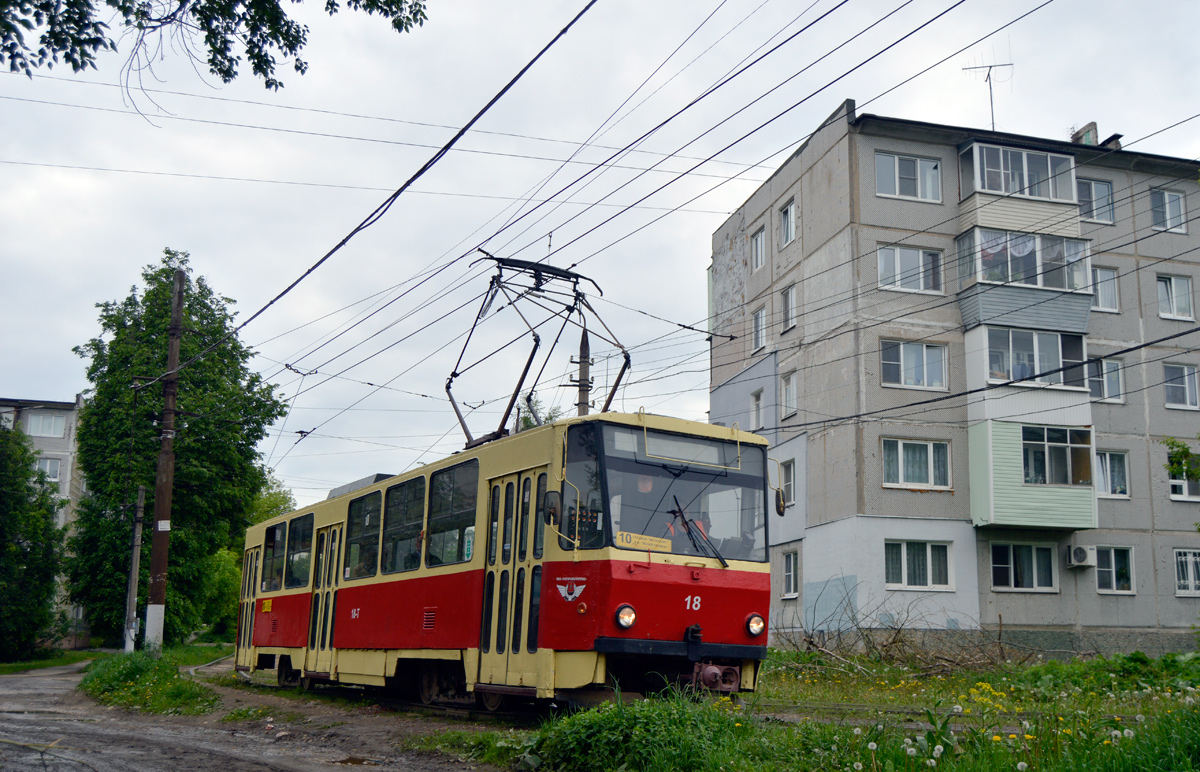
{"x": 659, "y": 492}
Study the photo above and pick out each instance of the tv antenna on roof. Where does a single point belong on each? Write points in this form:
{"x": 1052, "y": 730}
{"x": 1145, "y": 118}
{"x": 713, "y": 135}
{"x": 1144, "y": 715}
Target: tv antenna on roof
{"x": 991, "y": 100}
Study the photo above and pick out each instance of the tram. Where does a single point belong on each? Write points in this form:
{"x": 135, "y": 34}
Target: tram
{"x": 602, "y": 552}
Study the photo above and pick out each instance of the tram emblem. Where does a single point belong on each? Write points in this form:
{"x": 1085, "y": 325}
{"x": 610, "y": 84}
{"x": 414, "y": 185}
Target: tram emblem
{"x": 571, "y": 587}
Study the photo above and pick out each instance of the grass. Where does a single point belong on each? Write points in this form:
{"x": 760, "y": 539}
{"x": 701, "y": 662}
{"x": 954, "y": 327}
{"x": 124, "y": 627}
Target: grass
{"x": 54, "y": 658}
{"x": 151, "y": 684}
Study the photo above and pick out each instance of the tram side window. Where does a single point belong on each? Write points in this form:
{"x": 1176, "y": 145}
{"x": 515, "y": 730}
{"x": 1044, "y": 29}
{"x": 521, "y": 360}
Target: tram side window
{"x": 299, "y": 552}
{"x": 404, "y": 513}
{"x": 362, "y": 536}
{"x": 453, "y": 494}
{"x": 273, "y": 546}
{"x": 582, "y": 507}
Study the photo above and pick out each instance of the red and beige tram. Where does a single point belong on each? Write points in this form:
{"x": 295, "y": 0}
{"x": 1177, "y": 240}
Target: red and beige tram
{"x": 612, "y": 550}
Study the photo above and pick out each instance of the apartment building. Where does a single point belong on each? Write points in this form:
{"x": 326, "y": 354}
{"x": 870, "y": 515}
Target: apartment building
{"x": 51, "y": 428}
{"x": 965, "y": 347}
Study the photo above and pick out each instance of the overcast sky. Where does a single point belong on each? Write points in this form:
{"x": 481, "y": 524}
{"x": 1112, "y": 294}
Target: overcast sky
{"x": 257, "y": 185}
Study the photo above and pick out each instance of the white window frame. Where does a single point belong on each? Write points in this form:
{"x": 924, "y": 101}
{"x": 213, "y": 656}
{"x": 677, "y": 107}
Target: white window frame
{"x": 1187, "y": 380}
{"x": 1098, "y": 281}
{"x": 1178, "y": 288}
{"x": 1112, "y": 569}
{"x": 787, "y": 394}
{"x": 1182, "y": 489}
{"x": 1102, "y": 471}
{"x": 907, "y": 584}
{"x": 756, "y": 410}
{"x": 1040, "y": 339}
{"x": 1036, "y": 548}
{"x": 1164, "y": 201}
{"x": 929, "y": 483}
{"x": 1072, "y": 458}
{"x": 1107, "y": 373}
{"x": 1006, "y": 181}
{"x": 1076, "y": 273}
{"x": 758, "y": 329}
{"x": 787, "y": 480}
{"x": 790, "y": 584}
{"x": 37, "y": 423}
{"x": 1102, "y": 213}
{"x": 788, "y": 300}
{"x": 1190, "y": 579}
{"x": 923, "y": 168}
{"x": 46, "y": 464}
{"x": 907, "y": 365}
{"x": 929, "y": 275}
{"x": 758, "y": 249}
{"x": 787, "y": 223}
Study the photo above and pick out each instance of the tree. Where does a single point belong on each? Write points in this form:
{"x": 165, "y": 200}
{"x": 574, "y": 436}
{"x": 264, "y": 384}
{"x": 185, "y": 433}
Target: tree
{"x": 1182, "y": 462}
{"x": 273, "y": 499}
{"x": 30, "y": 549}
{"x": 225, "y": 410}
{"x": 223, "y": 31}
{"x": 526, "y": 422}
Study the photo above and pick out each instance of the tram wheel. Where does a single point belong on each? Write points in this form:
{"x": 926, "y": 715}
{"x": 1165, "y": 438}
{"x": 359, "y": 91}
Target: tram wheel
{"x": 427, "y": 684}
{"x": 306, "y": 683}
{"x": 490, "y": 701}
{"x": 286, "y": 676}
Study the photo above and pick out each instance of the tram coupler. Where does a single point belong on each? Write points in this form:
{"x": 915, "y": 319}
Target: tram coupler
{"x": 717, "y": 678}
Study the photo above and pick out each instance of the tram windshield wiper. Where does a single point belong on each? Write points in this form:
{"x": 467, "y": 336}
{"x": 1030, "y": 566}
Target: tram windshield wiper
{"x": 689, "y": 525}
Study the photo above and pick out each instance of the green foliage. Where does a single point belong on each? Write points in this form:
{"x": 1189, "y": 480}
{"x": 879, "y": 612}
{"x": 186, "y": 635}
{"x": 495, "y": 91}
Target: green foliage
{"x": 225, "y": 32}
{"x": 526, "y": 420}
{"x": 217, "y": 477}
{"x": 272, "y": 499}
{"x": 500, "y": 749}
{"x": 48, "y": 658}
{"x": 30, "y": 549}
{"x": 147, "y": 683}
{"x": 219, "y": 605}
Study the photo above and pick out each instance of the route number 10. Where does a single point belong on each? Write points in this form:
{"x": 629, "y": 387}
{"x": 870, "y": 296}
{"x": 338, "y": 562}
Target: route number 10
{"x": 692, "y": 603}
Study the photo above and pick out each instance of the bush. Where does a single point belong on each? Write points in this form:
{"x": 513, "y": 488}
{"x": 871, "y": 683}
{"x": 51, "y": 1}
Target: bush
{"x": 143, "y": 682}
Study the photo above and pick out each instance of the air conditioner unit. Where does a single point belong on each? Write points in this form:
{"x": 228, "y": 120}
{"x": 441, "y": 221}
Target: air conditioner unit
{"x": 1079, "y": 556}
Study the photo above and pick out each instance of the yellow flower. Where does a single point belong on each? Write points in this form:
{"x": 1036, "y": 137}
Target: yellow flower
{"x": 996, "y": 738}
{"x": 1028, "y": 737}
{"x": 1012, "y": 737}
{"x": 1108, "y": 742}
{"x": 1066, "y": 731}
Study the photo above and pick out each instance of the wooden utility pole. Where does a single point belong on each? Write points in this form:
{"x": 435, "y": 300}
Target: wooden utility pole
{"x": 165, "y": 481}
{"x": 135, "y": 561}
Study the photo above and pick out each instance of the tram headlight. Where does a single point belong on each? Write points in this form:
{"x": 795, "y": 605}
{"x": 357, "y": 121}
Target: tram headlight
{"x": 755, "y": 624}
{"x": 626, "y": 616}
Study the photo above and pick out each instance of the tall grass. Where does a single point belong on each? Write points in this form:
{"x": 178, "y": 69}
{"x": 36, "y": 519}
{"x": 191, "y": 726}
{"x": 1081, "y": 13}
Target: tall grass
{"x": 154, "y": 685}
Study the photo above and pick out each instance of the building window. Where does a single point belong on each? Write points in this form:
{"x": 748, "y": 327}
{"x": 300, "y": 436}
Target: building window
{"x": 50, "y": 466}
{"x": 46, "y": 425}
{"x": 908, "y": 177}
{"x": 756, "y": 411}
{"x": 1023, "y": 566}
{"x": 787, "y": 481}
{"x": 788, "y": 301}
{"x": 1015, "y": 172}
{"x": 904, "y": 268}
{"x": 1187, "y": 572}
{"x": 1175, "y": 297}
{"x": 791, "y": 584}
{"x": 1024, "y": 258}
{"x": 1104, "y": 380}
{"x": 758, "y": 335}
{"x": 916, "y": 565}
{"x": 787, "y": 223}
{"x": 1114, "y": 569}
{"x": 1095, "y": 200}
{"x": 913, "y": 365}
{"x": 1112, "y": 477}
{"x": 758, "y": 254}
{"x": 6, "y": 417}
{"x": 913, "y": 464}
{"x": 1180, "y": 381}
{"x": 1015, "y": 355}
{"x": 1166, "y": 210}
{"x": 1055, "y": 455}
{"x": 1104, "y": 290}
{"x": 787, "y": 388}
{"x": 1183, "y": 489}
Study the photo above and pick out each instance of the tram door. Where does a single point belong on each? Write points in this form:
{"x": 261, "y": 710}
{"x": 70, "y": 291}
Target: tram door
{"x": 245, "y": 630}
{"x": 512, "y": 582}
{"x": 318, "y": 660}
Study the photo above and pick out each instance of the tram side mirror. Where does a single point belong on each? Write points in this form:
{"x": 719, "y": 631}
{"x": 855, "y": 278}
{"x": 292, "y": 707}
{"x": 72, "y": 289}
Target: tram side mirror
{"x": 552, "y": 506}
{"x": 780, "y": 503}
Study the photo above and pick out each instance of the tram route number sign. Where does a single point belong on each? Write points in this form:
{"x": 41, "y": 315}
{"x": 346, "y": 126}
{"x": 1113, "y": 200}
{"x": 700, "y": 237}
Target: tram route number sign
{"x": 640, "y": 541}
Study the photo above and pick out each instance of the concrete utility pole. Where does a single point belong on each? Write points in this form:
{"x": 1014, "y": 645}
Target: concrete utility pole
{"x": 585, "y": 369}
{"x": 135, "y": 561}
{"x": 165, "y": 481}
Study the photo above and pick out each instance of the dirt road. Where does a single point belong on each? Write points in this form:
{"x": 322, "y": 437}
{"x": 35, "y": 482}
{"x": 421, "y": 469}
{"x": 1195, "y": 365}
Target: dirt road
{"x": 46, "y": 725}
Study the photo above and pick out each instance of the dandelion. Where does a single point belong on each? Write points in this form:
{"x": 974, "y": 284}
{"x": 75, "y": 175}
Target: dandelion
{"x": 958, "y": 708}
{"x": 1012, "y": 737}
{"x": 907, "y": 741}
{"x": 858, "y": 765}
{"x": 912, "y": 751}
{"x": 1129, "y": 733}
{"x": 1108, "y": 742}
{"x": 930, "y": 763}
{"x": 871, "y": 746}
{"x": 1028, "y": 737}
{"x": 1022, "y": 766}
{"x": 737, "y": 723}
{"x": 857, "y": 730}
{"x": 1116, "y": 733}
{"x": 996, "y": 738}
{"x": 1140, "y": 718}
{"x": 938, "y": 751}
